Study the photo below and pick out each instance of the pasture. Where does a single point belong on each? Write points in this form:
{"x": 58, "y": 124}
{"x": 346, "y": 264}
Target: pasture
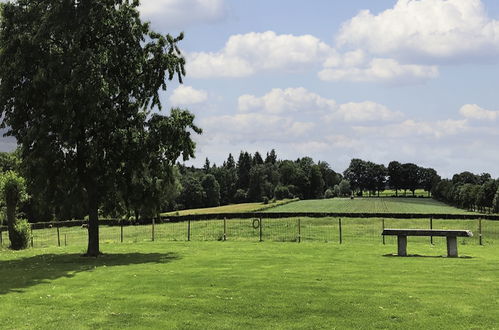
{"x": 371, "y": 205}
{"x": 227, "y": 285}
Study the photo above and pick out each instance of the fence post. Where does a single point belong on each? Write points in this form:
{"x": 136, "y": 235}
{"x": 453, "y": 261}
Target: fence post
{"x": 152, "y": 230}
{"x": 431, "y": 227}
{"x": 31, "y": 230}
{"x": 299, "y": 231}
{"x": 341, "y": 234}
{"x": 225, "y": 229}
{"x": 121, "y": 231}
{"x": 383, "y": 228}
{"x": 188, "y": 230}
{"x": 261, "y": 230}
{"x": 480, "y": 231}
{"x": 58, "y": 237}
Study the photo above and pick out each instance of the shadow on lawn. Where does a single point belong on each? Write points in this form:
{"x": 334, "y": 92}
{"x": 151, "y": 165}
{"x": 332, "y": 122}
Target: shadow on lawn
{"x": 18, "y": 274}
{"x": 423, "y": 256}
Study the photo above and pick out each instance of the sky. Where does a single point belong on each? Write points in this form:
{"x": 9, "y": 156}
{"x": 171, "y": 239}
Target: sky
{"x": 407, "y": 80}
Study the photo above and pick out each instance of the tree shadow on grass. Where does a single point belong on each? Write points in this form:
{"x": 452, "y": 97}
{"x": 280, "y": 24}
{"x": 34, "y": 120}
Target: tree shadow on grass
{"x": 423, "y": 256}
{"x": 18, "y": 274}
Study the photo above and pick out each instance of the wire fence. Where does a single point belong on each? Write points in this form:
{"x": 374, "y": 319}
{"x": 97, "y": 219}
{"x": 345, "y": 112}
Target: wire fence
{"x": 328, "y": 230}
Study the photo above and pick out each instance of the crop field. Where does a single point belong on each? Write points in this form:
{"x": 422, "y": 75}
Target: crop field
{"x": 370, "y": 205}
{"x": 232, "y": 208}
{"x": 229, "y": 285}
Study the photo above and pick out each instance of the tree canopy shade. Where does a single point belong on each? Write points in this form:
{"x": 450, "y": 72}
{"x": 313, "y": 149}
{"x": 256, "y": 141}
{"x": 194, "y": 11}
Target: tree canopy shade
{"x": 78, "y": 80}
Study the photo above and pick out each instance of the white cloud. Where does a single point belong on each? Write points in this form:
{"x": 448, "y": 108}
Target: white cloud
{"x": 286, "y": 100}
{"x": 411, "y": 128}
{"x": 359, "y": 69}
{"x": 179, "y": 14}
{"x": 251, "y": 127}
{"x": 473, "y": 111}
{"x": 425, "y": 30}
{"x": 246, "y": 54}
{"x": 364, "y": 111}
{"x": 187, "y": 95}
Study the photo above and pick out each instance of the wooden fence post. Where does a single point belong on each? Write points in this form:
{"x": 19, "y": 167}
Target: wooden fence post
{"x": 261, "y": 229}
{"x": 480, "y": 231}
{"x": 188, "y": 230}
{"x": 299, "y": 231}
{"x": 341, "y": 234}
{"x": 152, "y": 230}
{"x": 121, "y": 232}
{"x": 58, "y": 237}
{"x": 431, "y": 227}
{"x": 225, "y": 229}
{"x": 383, "y": 228}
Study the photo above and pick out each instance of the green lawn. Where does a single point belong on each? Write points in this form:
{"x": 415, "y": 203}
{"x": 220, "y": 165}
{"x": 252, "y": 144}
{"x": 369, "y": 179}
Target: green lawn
{"x": 229, "y": 285}
{"x": 370, "y": 205}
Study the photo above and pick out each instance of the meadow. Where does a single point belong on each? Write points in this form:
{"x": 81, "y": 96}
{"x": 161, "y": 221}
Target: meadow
{"x": 371, "y": 205}
{"x": 228, "y": 285}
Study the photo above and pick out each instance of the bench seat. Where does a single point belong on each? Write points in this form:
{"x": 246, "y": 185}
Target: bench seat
{"x": 451, "y": 236}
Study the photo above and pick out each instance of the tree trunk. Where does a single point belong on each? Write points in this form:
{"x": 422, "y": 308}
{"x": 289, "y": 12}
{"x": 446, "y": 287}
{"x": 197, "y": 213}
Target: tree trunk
{"x": 93, "y": 224}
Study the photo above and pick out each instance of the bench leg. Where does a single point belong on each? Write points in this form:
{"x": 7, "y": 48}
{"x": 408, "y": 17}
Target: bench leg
{"x": 402, "y": 245}
{"x": 451, "y": 246}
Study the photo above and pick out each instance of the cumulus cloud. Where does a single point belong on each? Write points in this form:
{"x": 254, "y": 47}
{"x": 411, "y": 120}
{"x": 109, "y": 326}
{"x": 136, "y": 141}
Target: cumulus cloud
{"x": 414, "y": 128}
{"x": 473, "y": 111}
{"x": 180, "y": 14}
{"x": 364, "y": 111}
{"x": 376, "y": 70}
{"x": 246, "y": 54}
{"x": 187, "y": 95}
{"x": 285, "y": 100}
{"x": 424, "y": 30}
{"x": 301, "y": 101}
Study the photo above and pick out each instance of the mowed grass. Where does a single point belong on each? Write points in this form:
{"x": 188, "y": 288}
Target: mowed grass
{"x": 371, "y": 205}
{"x": 249, "y": 285}
{"x": 232, "y": 208}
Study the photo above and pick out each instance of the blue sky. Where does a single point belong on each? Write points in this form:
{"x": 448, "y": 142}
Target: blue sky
{"x": 408, "y": 80}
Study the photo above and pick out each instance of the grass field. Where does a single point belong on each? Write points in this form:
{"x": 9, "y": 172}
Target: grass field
{"x": 228, "y": 285}
{"x": 370, "y": 205}
{"x": 232, "y": 208}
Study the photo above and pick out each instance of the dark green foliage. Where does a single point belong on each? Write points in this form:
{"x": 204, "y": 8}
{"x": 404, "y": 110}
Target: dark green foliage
{"x": 193, "y": 195}
{"x": 282, "y": 192}
{"x": 21, "y": 235}
{"x": 243, "y": 170}
{"x": 240, "y": 196}
{"x": 495, "y": 203}
{"x": 330, "y": 193}
{"x": 211, "y": 191}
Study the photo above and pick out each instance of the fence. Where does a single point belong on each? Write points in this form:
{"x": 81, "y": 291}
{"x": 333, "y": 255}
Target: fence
{"x": 335, "y": 230}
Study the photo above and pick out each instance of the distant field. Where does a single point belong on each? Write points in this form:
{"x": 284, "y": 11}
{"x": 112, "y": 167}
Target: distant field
{"x": 389, "y": 193}
{"x": 233, "y": 208}
{"x": 370, "y": 205}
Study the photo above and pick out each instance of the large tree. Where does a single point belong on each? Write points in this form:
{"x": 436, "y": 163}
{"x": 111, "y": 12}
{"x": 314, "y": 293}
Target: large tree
{"x": 78, "y": 80}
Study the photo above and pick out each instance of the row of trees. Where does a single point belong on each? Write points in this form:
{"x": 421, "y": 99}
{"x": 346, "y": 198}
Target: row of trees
{"x": 469, "y": 191}
{"x": 254, "y": 178}
{"x": 366, "y": 176}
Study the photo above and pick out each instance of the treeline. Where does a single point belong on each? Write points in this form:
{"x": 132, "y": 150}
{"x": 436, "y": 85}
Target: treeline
{"x": 469, "y": 191}
{"x": 365, "y": 176}
{"x": 253, "y": 178}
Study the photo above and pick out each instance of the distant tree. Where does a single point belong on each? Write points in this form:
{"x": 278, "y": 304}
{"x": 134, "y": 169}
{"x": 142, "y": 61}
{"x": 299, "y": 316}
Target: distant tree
{"x": 13, "y": 191}
{"x": 282, "y": 192}
{"x": 258, "y": 178}
{"x": 345, "y": 188}
{"x": 230, "y": 163}
{"x": 330, "y": 177}
{"x": 271, "y": 157}
{"x": 316, "y": 183}
{"x": 495, "y": 203}
{"x": 356, "y": 174}
{"x": 211, "y": 190}
{"x": 410, "y": 177}
{"x": 243, "y": 169}
{"x": 395, "y": 179}
{"x": 240, "y": 196}
{"x": 192, "y": 195}
{"x": 329, "y": 194}
{"x": 257, "y": 159}
{"x": 207, "y": 165}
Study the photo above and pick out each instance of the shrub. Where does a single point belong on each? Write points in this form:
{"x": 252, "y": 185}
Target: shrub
{"x": 329, "y": 194}
{"x": 240, "y": 196}
{"x": 21, "y": 235}
{"x": 282, "y": 192}
{"x": 265, "y": 200}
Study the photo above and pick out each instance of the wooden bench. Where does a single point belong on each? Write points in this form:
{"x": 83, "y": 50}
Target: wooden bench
{"x": 450, "y": 234}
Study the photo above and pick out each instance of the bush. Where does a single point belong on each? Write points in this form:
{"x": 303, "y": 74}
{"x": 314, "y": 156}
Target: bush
{"x": 329, "y": 194}
{"x": 240, "y": 196}
{"x": 265, "y": 200}
{"x": 21, "y": 235}
{"x": 282, "y": 192}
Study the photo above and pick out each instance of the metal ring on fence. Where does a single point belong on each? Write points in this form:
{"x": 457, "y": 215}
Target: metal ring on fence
{"x": 256, "y": 223}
